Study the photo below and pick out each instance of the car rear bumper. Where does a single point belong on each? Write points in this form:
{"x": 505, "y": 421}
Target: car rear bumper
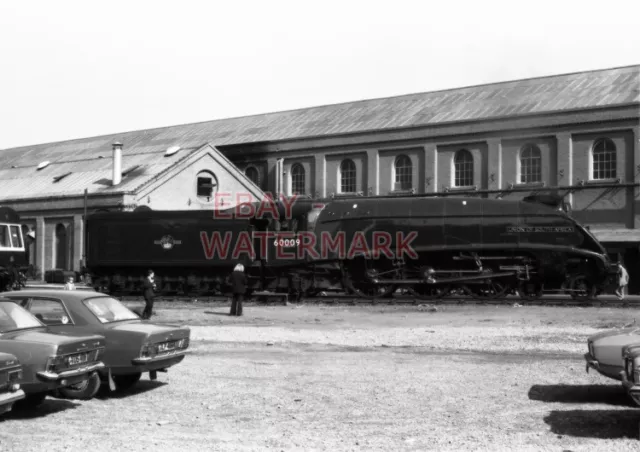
{"x": 632, "y": 389}
{"x": 162, "y": 360}
{"x": 80, "y": 371}
{"x": 591, "y": 362}
{"x": 7, "y": 399}
{"x": 603, "y": 369}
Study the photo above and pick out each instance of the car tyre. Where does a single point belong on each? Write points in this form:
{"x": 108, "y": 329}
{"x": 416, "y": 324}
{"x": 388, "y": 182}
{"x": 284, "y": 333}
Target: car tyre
{"x": 126, "y": 381}
{"x": 82, "y": 391}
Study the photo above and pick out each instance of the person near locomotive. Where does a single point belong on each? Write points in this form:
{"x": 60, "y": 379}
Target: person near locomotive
{"x": 238, "y": 282}
{"x": 623, "y": 280}
{"x": 149, "y": 286}
{"x": 14, "y": 275}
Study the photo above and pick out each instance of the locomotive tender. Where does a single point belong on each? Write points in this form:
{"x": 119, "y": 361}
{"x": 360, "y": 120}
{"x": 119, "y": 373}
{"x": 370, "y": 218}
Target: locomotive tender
{"x": 482, "y": 247}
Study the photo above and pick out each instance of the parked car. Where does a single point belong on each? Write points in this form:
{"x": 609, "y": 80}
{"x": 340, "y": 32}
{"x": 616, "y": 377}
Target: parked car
{"x": 134, "y": 346}
{"x": 50, "y": 360}
{"x": 631, "y": 374}
{"x": 605, "y": 350}
{"x": 10, "y": 377}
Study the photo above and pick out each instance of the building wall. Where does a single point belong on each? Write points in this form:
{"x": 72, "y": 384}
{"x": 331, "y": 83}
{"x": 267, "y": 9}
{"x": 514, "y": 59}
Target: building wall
{"x": 566, "y": 159}
{"x": 178, "y": 191}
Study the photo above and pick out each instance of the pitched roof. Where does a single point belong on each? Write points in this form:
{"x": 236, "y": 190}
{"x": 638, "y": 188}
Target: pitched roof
{"x": 593, "y": 89}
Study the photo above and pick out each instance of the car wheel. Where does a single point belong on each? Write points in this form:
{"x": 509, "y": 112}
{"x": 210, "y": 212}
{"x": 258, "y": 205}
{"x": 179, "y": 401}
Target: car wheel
{"x": 82, "y": 391}
{"x": 30, "y": 401}
{"x": 126, "y": 381}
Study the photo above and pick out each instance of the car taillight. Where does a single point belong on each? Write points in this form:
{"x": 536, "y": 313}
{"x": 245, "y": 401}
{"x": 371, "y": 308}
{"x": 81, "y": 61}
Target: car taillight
{"x": 54, "y": 363}
{"x": 148, "y": 351}
{"x": 591, "y": 350}
{"x": 15, "y": 376}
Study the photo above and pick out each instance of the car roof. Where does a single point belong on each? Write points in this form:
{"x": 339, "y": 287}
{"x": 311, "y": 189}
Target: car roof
{"x": 67, "y": 295}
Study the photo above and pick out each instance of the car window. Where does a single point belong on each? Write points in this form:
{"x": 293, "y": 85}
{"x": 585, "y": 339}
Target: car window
{"x": 108, "y": 309}
{"x": 14, "y": 318}
{"x": 49, "y": 312}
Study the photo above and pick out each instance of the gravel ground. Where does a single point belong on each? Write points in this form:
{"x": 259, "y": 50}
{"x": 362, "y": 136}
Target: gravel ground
{"x": 358, "y": 378}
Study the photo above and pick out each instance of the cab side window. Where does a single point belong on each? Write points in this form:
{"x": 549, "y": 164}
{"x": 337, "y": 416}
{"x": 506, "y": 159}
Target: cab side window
{"x": 49, "y": 312}
{"x": 4, "y": 236}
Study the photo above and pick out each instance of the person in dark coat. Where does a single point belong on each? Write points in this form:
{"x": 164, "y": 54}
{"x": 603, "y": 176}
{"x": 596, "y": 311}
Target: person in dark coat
{"x": 14, "y": 275}
{"x": 149, "y": 286}
{"x": 238, "y": 288}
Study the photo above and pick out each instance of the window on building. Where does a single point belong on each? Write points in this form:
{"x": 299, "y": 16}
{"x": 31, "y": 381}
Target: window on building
{"x": 206, "y": 186}
{"x": 347, "y": 176}
{"x": 463, "y": 168}
{"x": 253, "y": 175}
{"x": 297, "y": 179}
{"x": 530, "y": 164}
{"x": 604, "y": 159}
{"x": 404, "y": 173}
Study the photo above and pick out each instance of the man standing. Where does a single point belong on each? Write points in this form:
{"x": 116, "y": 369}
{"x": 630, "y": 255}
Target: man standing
{"x": 149, "y": 286}
{"x": 238, "y": 287}
{"x": 623, "y": 280}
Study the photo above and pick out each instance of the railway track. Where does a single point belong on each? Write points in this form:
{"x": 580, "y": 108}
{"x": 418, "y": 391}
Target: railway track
{"x": 632, "y": 301}
{"x": 340, "y": 299}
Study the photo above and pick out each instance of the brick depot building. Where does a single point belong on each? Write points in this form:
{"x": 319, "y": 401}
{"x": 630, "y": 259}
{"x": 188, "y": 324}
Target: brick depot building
{"x": 579, "y": 133}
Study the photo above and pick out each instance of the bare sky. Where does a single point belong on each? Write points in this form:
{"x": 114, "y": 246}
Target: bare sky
{"x": 73, "y": 69}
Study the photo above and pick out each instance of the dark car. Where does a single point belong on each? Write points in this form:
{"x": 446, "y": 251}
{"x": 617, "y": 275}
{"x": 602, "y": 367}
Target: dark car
{"x": 50, "y": 360}
{"x": 10, "y": 376}
{"x": 134, "y": 346}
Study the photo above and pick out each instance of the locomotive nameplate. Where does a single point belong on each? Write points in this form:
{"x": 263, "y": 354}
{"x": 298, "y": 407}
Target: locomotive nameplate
{"x": 540, "y": 229}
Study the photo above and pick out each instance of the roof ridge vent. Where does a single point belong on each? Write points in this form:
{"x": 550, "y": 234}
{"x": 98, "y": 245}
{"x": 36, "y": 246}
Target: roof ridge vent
{"x": 171, "y": 150}
{"x": 43, "y": 165}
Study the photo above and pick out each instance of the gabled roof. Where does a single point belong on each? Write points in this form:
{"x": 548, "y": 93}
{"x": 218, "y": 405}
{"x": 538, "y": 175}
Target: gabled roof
{"x": 568, "y": 92}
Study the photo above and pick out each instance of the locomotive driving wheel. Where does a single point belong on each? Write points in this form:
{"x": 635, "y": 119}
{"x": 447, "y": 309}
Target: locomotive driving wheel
{"x": 362, "y": 278}
{"x": 491, "y": 290}
{"x": 582, "y": 288}
{"x": 530, "y": 289}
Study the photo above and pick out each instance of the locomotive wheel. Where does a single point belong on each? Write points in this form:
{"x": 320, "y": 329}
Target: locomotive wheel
{"x": 493, "y": 289}
{"x": 582, "y": 288}
{"x": 359, "y": 281}
{"x": 429, "y": 291}
{"x": 530, "y": 290}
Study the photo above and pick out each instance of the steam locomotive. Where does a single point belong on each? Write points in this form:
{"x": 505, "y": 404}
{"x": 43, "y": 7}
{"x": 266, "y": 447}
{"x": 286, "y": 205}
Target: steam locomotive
{"x": 370, "y": 247}
{"x": 13, "y": 253}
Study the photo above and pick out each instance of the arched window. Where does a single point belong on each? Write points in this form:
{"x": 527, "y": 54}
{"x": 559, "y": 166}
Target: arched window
{"x": 206, "y": 186}
{"x": 530, "y": 164}
{"x": 61, "y": 246}
{"x": 463, "y": 168}
{"x": 297, "y": 179}
{"x": 253, "y": 175}
{"x": 604, "y": 159}
{"x": 347, "y": 176}
{"x": 404, "y": 173}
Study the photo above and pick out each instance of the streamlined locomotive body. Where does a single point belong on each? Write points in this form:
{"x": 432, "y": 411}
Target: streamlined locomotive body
{"x": 367, "y": 246}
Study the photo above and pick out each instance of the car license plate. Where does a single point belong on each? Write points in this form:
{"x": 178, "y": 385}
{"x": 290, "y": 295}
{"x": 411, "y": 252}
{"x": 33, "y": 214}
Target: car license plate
{"x": 167, "y": 346}
{"x": 74, "y": 360}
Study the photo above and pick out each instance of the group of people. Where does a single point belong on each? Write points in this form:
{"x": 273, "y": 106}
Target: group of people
{"x": 237, "y": 280}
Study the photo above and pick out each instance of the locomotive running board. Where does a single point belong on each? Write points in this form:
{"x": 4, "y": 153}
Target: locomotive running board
{"x": 469, "y": 278}
{"x": 443, "y": 281}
